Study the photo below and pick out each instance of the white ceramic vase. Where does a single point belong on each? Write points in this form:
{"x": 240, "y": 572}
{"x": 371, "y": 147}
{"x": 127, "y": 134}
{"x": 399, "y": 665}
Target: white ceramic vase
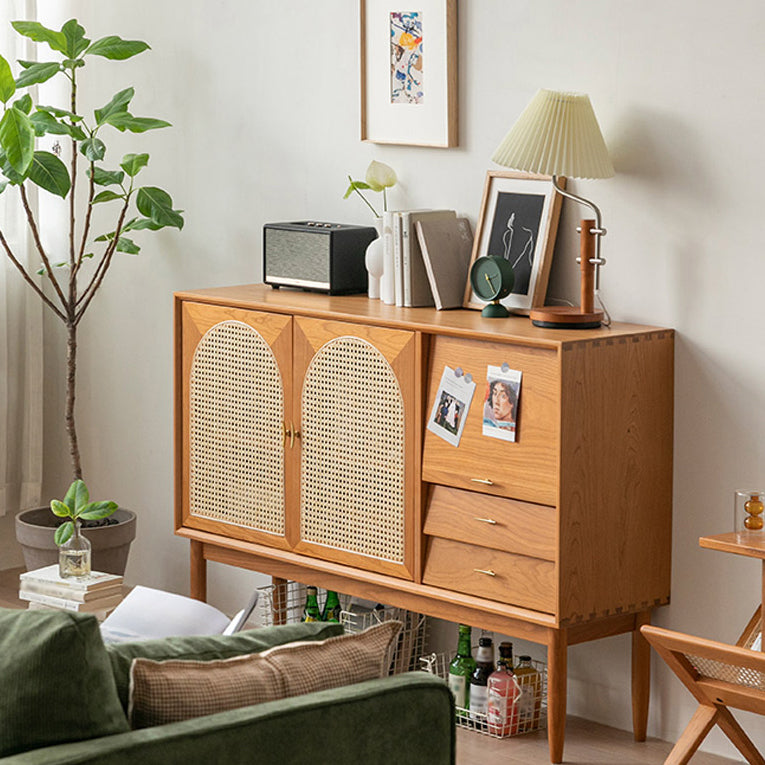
{"x": 374, "y": 262}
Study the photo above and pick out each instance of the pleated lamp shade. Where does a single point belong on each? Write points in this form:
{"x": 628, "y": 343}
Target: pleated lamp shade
{"x": 557, "y": 134}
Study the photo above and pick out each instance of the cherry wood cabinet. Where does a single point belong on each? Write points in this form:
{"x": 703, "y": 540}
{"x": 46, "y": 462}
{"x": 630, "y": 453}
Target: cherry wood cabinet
{"x": 302, "y": 452}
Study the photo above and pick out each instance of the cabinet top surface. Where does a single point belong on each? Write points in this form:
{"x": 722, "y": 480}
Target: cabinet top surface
{"x": 359, "y": 308}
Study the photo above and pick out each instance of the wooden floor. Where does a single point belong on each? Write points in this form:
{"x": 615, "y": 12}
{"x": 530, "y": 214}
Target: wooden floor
{"x": 587, "y": 743}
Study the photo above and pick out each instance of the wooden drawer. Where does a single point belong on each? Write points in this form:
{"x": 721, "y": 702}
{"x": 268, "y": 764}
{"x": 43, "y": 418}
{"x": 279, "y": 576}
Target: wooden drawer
{"x": 517, "y": 579}
{"x": 503, "y": 524}
{"x": 526, "y": 469}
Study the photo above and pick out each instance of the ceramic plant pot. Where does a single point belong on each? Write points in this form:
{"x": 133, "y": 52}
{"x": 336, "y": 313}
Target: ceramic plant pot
{"x": 111, "y": 543}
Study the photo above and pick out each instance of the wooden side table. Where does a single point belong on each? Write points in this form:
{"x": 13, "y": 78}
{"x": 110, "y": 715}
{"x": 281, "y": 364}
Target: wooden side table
{"x": 750, "y": 544}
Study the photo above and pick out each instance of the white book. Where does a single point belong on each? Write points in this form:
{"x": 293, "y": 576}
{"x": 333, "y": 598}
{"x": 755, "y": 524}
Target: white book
{"x": 70, "y": 593}
{"x": 387, "y": 282}
{"x": 50, "y": 575}
{"x": 398, "y": 285}
{"x": 146, "y": 614}
{"x": 417, "y": 291}
{"x": 66, "y": 604}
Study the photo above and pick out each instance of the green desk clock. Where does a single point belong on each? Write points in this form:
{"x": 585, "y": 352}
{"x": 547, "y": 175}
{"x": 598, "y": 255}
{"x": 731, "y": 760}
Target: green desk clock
{"x": 492, "y": 279}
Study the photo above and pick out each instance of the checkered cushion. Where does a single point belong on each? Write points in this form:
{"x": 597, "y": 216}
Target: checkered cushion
{"x": 168, "y": 691}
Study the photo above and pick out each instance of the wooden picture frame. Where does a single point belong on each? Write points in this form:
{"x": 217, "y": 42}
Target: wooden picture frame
{"x": 409, "y": 72}
{"x": 519, "y": 221}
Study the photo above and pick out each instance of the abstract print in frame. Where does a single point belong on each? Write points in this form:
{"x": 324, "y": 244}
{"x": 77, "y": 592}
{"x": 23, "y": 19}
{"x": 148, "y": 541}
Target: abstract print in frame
{"x": 409, "y": 72}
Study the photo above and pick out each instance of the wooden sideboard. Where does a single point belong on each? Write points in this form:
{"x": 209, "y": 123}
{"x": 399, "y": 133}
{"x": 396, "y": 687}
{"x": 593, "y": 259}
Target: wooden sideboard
{"x": 302, "y": 452}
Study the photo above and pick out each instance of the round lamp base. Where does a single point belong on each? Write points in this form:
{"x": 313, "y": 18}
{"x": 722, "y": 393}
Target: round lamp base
{"x": 565, "y": 317}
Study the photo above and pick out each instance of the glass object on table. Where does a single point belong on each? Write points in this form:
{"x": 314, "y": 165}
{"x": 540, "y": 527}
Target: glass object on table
{"x": 748, "y": 516}
{"x": 74, "y": 555}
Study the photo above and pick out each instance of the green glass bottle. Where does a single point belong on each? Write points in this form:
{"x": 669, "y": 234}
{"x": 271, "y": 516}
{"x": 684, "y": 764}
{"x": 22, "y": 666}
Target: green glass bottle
{"x": 311, "y": 611}
{"x": 331, "y": 612}
{"x": 460, "y": 669}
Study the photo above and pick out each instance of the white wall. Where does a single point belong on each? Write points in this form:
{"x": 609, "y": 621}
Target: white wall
{"x": 264, "y": 97}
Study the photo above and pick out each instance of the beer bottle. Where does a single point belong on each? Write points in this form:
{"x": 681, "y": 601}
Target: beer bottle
{"x": 479, "y": 694}
{"x": 331, "y": 612}
{"x": 460, "y": 669}
{"x": 311, "y": 612}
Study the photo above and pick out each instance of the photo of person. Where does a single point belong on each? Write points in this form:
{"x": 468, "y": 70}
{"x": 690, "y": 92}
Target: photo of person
{"x": 451, "y": 405}
{"x": 500, "y": 406}
{"x": 449, "y": 412}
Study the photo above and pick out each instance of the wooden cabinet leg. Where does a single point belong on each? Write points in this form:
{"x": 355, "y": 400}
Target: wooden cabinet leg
{"x": 279, "y": 600}
{"x": 557, "y": 661}
{"x": 198, "y": 571}
{"x": 641, "y": 677}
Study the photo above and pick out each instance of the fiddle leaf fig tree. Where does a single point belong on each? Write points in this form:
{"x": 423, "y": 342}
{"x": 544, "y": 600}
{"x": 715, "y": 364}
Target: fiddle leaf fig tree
{"x": 76, "y": 264}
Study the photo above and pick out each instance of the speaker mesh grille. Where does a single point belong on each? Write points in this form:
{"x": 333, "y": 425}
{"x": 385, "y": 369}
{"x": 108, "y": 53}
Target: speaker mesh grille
{"x": 352, "y": 471}
{"x": 236, "y": 418}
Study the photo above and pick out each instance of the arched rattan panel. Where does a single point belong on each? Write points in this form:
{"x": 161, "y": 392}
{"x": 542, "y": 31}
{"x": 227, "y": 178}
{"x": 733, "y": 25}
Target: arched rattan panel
{"x": 352, "y": 437}
{"x": 236, "y": 452}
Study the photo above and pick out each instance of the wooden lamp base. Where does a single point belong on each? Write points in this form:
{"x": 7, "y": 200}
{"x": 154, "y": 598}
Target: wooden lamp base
{"x": 565, "y": 317}
{"x": 576, "y": 317}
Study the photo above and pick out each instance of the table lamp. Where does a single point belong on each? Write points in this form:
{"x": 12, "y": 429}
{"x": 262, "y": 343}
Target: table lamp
{"x": 558, "y": 135}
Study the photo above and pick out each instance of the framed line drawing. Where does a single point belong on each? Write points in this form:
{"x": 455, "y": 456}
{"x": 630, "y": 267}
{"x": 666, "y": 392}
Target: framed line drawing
{"x": 518, "y": 221}
{"x": 409, "y": 72}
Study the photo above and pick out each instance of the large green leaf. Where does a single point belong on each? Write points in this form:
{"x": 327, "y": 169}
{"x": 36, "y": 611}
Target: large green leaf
{"x": 13, "y": 177}
{"x": 124, "y": 121}
{"x": 116, "y": 48}
{"x": 59, "y": 508}
{"x": 94, "y": 149}
{"x": 34, "y": 30}
{"x": 156, "y": 204}
{"x": 127, "y": 246}
{"x": 63, "y": 533}
{"x": 43, "y": 123}
{"x": 107, "y": 177}
{"x": 106, "y": 196}
{"x": 117, "y": 105}
{"x": 133, "y": 163}
{"x": 37, "y": 73}
{"x": 23, "y": 104}
{"x": 139, "y": 224}
{"x": 7, "y": 85}
{"x": 76, "y": 42}
{"x": 17, "y": 139}
{"x": 50, "y": 173}
{"x": 97, "y": 510}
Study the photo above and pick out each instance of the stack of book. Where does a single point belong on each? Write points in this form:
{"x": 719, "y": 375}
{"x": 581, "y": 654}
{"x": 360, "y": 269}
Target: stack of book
{"x": 98, "y": 593}
{"x": 426, "y": 255}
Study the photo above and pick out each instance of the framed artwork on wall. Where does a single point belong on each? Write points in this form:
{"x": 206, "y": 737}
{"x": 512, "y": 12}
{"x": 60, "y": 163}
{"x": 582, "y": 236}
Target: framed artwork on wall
{"x": 409, "y": 72}
{"x": 518, "y": 222}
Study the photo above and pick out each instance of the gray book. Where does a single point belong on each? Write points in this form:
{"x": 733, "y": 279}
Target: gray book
{"x": 446, "y": 247}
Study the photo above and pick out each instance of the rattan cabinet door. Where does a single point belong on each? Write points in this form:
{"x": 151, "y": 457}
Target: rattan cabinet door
{"x": 354, "y": 398}
{"x": 236, "y": 407}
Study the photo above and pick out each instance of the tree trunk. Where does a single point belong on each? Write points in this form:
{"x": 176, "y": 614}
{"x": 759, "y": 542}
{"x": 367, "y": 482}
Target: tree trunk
{"x": 71, "y": 369}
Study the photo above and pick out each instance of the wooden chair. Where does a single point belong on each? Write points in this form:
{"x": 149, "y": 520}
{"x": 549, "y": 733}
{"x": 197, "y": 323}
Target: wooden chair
{"x": 719, "y": 676}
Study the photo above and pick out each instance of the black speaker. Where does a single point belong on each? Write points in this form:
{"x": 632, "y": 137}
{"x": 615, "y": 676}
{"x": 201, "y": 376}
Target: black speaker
{"x": 321, "y": 257}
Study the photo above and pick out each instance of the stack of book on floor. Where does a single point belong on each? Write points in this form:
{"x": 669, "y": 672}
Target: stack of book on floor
{"x": 98, "y": 593}
{"x": 426, "y": 256}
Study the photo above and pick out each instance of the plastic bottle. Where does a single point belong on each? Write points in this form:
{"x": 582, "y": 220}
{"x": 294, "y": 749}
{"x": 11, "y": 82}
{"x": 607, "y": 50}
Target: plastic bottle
{"x": 503, "y": 693}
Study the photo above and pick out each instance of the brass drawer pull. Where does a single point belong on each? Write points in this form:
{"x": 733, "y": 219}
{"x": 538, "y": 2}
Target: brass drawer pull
{"x": 486, "y": 571}
{"x": 487, "y": 520}
{"x": 484, "y": 481}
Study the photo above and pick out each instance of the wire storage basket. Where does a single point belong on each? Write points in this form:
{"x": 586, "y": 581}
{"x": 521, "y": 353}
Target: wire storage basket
{"x": 283, "y": 604}
{"x": 530, "y": 707}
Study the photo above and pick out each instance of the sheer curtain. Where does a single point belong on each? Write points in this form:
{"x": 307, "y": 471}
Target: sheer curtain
{"x": 21, "y": 342}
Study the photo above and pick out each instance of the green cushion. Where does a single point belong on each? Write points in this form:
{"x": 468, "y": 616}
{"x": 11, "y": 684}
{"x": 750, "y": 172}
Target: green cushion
{"x": 56, "y": 682}
{"x": 210, "y": 647}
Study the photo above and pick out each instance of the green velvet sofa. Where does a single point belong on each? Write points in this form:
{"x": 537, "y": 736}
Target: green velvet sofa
{"x": 403, "y": 720}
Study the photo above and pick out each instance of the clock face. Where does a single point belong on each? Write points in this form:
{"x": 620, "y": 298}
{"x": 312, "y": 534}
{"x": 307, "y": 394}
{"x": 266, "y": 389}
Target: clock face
{"x": 491, "y": 278}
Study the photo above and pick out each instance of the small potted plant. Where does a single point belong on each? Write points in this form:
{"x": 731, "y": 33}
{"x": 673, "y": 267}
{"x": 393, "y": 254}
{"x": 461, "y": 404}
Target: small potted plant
{"x": 30, "y": 148}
